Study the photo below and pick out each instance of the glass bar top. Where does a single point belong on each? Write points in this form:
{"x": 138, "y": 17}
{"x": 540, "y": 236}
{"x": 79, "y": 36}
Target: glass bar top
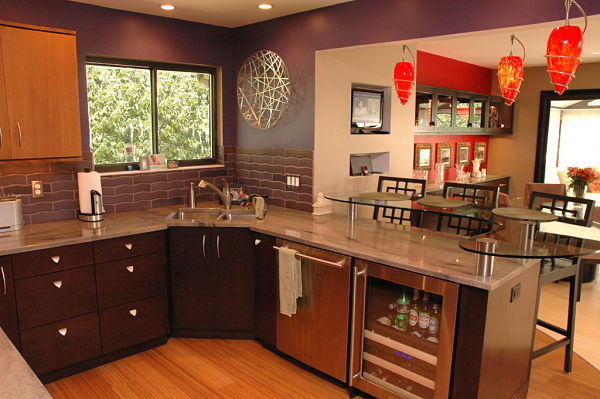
{"x": 550, "y": 240}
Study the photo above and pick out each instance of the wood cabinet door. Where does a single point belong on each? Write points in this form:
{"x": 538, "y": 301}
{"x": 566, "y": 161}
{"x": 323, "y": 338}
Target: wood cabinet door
{"x": 264, "y": 265}
{"x": 191, "y": 294}
{"x": 5, "y": 143}
{"x": 233, "y": 280}
{"x": 40, "y": 69}
{"x": 8, "y": 307}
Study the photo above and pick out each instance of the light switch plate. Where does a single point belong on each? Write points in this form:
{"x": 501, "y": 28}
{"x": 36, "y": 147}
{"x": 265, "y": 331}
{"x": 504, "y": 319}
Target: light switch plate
{"x": 292, "y": 180}
{"x": 37, "y": 189}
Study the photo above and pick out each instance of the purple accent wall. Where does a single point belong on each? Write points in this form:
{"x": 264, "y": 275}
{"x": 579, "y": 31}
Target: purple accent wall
{"x": 121, "y": 34}
{"x": 297, "y": 37}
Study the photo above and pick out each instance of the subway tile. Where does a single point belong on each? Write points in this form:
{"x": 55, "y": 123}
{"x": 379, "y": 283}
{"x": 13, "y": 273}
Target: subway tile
{"x": 109, "y": 190}
{"x": 166, "y": 202}
{"x": 307, "y": 198}
{"x": 264, "y": 191}
{"x": 52, "y": 216}
{"x": 278, "y": 185}
{"x": 251, "y": 189}
{"x": 285, "y": 161}
{"x": 50, "y": 196}
{"x": 245, "y": 181}
{"x": 304, "y": 171}
{"x": 177, "y": 192}
{"x": 37, "y": 207}
{"x": 139, "y": 205}
{"x": 150, "y": 177}
{"x": 271, "y": 168}
{"x": 116, "y": 180}
{"x": 291, "y": 152}
{"x": 287, "y": 195}
{"x": 12, "y": 180}
{"x": 175, "y": 175}
{"x": 51, "y": 177}
{"x": 125, "y": 207}
{"x": 117, "y": 199}
{"x": 109, "y": 208}
{"x": 261, "y": 175}
{"x": 17, "y": 189}
{"x": 276, "y": 201}
{"x": 132, "y": 188}
{"x": 305, "y": 162}
{"x": 247, "y": 165}
{"x": 65, "y": 204}
{"x": 242, "y": 157}
{"x": 141, "y": 196}
{"x": 167, "y": 185}
{"x": 305, "y": 189}
{"x": 260, "y": 159}
{"x": 279, "y": 177}
{"x": 243, "y": 173}
{"x": 71, "y": 166}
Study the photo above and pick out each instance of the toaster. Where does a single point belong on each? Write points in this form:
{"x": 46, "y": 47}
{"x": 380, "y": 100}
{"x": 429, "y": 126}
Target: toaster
{"x": 11, "y": 213}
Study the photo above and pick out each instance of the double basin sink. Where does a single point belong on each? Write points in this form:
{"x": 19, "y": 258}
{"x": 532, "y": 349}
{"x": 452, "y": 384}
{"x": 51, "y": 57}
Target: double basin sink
{"x": 211, "y": 214}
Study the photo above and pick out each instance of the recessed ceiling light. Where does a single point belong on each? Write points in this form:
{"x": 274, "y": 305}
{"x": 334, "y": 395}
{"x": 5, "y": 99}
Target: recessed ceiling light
{"x": 265, "y": 6}
{"x": 167, "y": 7}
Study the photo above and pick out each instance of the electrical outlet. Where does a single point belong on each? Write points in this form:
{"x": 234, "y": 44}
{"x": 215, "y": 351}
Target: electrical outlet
{"x": 292, "y": 180}
{"x": 37, "y": 189}
{"x": 515, "y": 292}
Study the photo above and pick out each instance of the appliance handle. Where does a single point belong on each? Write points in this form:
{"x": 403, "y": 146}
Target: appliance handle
{"x": 1, "y": 137}
{"x": 204, "y": 246}
{"x": 3, "y": 280}
{"x": 337, "y": 265}
{"x": 20, "y": 134}
{"x": 357, "y": 274}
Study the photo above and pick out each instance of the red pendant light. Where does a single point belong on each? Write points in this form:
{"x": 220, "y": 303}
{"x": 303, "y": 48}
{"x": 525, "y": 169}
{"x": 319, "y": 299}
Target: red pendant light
{"x": 564, "y": 50}
{"x": 510, "y": 73}
{"x": 404, "y": 77}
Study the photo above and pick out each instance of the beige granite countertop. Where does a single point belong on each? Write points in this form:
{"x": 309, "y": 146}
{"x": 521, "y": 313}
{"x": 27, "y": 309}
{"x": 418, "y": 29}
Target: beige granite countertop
{"x": 421, "y": 251}
{"x": 17, "y": 380}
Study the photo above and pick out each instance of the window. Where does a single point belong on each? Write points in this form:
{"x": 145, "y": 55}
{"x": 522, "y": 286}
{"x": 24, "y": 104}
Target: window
{"x": 138, "y": 108}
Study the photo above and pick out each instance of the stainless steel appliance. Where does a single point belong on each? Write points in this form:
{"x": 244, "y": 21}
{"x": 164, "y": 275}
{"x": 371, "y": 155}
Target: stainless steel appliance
{"x": 97, "y": 213}
{"x": 317, "y": 334}
{"x": 11, "y": 213}
{"x": 393, "y": 358}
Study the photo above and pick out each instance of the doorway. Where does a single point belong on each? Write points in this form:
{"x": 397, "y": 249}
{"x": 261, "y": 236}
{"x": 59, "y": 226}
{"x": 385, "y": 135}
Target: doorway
{"x": 568, "y": 134}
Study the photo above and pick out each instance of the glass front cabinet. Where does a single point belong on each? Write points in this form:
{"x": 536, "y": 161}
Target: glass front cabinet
{"x": 402, "y": 333}
{"x": 447, "y": 111}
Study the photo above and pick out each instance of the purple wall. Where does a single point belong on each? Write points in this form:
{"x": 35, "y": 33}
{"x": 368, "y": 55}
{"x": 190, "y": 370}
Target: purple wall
{"x": 297, "y": 37}
{"x": 103, "y": 31}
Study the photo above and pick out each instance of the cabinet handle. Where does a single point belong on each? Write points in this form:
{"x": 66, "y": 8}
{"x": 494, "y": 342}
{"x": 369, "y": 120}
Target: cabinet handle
{"x": 204, "y": 246}
{"x": 1, "y": 137}
{"x": 257, "y": 241}
{"x": 62, "y": 331}
{"x": 133, "y": 312}
{"x": 3, "y": 280}
{"x": 338, "y": 264}
{"x": 218, "y": 247}
{"x": 20, "y": 134}
{"x": 129, "y": 246}
{"x": 55, "y": 259}
{"x": 130, "y": 269}
{"x": 57, "y": 283}
{"x": 353, "y": 337}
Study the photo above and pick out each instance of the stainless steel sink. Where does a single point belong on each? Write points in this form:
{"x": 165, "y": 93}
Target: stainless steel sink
{"x": 210, "y": 214}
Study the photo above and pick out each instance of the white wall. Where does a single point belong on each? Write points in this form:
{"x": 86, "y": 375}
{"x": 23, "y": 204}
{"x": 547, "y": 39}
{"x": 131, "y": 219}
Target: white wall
{"x": 551, "y": 153}
{"x": 335, "y": 72}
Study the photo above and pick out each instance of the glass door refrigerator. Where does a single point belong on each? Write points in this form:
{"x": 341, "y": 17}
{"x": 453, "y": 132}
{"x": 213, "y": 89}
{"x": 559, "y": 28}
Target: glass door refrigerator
{"x": 402, "y": 333}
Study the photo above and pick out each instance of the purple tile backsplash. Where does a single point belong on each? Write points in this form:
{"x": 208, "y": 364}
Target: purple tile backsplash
{"x": 260, "y": 171}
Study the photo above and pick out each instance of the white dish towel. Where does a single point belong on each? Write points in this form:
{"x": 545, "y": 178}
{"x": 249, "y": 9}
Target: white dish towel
{"x": 290, "y": 281}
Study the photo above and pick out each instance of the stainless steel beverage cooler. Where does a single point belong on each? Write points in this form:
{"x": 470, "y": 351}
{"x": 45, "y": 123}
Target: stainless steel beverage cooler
{"x": 385, "y": 360}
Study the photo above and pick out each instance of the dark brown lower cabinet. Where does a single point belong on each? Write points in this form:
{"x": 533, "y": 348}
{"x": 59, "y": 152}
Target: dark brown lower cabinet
{"x": 8, "y": 307}
{"x": 60, "y": 344}
{"x": 212, "y": 283}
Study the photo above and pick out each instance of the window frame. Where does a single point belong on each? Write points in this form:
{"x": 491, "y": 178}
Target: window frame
{"x": 153, "y": 67}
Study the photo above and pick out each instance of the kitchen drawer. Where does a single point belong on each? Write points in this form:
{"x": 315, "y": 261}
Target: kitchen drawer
{"x": 55, "y": 296}
{"x": 34, "y": 263}
{"x": 133, "y": 323}
{"x": 57, "y": 345}
{"x": 125, "y": 247}
{"x": 129, "y": 280}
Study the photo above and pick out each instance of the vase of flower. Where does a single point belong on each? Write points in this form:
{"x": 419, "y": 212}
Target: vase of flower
{"x": 580, "y": 179}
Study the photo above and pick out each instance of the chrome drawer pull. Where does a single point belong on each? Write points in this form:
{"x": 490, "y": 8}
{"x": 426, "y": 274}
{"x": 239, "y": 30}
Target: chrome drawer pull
{"x": 218, "y": 247}
{"x": 257, "y": 241}
{"x": 204, "y": 246}
{"x": 62, "y": 331}
{"x": 129, "y": 245}
{"x": 133, "y": 312}
{"x": 3, "y": 280}
{"x": 130, "y": 269}
{"x": 338, "y": 264}
{"x": 57, "y": 283}
{"x": 55, "y": 259}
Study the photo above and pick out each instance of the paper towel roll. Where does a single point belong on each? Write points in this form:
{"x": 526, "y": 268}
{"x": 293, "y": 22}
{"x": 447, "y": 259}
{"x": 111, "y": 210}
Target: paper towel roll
{"x": 86, "y": 182}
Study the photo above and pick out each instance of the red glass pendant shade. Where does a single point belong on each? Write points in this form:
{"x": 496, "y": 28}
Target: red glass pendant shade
{"x": 510, "y": 77}
{"x": 563, "y": 54}
{"x": 404, "y": 78}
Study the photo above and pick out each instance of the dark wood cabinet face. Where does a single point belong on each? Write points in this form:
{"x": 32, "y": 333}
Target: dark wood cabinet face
{"x": 128, "y": 246}
{"x": 8, "y": 307}
{"x": 35, "y": 263}
{"x": 211, "y": 279}
{"x": 264, "y": 265}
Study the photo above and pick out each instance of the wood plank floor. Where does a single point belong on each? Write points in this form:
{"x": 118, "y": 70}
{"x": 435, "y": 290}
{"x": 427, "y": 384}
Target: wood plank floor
{"x": 197, "y": 368}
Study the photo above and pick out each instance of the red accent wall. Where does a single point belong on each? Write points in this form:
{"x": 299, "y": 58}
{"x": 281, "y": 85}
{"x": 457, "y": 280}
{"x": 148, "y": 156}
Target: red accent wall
{"x": 438, "y": 71}
{"x": 435, "y": 70}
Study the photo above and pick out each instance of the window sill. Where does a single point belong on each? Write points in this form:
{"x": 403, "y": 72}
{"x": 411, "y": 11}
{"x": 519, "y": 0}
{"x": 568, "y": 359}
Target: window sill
{"x": 129, "y": 172}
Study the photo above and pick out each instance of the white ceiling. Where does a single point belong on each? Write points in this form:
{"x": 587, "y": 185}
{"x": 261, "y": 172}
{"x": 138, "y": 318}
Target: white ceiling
{"x": 228, "y": 13}
{"x": 487, "y": 47}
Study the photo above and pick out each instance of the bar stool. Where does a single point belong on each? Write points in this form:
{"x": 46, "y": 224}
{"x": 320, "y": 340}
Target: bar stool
{"x": 399, "y": 185}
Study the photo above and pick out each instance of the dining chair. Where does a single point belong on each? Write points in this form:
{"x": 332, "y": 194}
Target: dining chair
{"x": 401, "y": 185}
{"x": 569, "y": 210}
{"x": 550, "y": 188}
{"x": 470, "y": 223}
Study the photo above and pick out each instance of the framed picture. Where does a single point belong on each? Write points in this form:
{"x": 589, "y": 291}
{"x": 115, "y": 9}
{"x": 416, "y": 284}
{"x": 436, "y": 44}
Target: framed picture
{"x": 158, "y": 161}
{"x": 444, "y": 154}
{"x": 463, "y": 153}
{"x": 479, "y": 149}
{"x": 423, "y": 156}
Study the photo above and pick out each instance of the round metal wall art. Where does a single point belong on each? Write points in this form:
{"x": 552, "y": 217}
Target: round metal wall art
{"x": 263, "y": 89}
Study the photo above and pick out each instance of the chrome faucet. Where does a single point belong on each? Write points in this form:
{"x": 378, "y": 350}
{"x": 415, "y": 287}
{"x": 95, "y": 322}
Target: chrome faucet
{"x": 223, "y": 197}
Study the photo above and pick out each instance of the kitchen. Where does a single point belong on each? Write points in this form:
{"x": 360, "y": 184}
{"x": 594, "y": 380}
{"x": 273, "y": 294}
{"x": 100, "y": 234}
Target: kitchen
{"x": 113, "y": 33}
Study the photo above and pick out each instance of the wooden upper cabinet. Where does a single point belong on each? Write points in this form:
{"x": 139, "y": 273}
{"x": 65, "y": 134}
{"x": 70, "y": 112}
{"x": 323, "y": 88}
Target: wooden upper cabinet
{"x": 5, "y": 144}
{"x": 40, "y": 81}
